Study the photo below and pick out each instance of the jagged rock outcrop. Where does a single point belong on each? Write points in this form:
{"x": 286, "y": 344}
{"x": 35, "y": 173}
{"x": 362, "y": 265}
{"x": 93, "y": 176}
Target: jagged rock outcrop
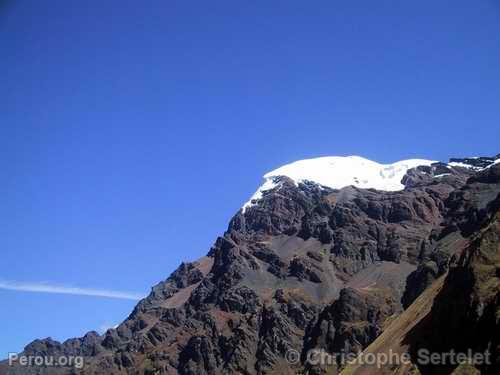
{"x": 466, "y": 313}
{"x": 457, "y": 315}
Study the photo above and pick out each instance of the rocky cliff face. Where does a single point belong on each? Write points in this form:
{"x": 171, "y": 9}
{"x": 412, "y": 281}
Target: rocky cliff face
{"x": 306, "y": 266}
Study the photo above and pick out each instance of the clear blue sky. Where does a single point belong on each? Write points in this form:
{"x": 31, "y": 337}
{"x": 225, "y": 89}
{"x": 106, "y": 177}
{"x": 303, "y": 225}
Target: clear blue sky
{"x": 132, "y": 132}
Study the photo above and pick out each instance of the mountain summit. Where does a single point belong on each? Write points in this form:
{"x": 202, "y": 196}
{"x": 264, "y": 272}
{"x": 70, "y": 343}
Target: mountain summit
{"x": 338, "y": 254}
{"x": 337, "y": 172}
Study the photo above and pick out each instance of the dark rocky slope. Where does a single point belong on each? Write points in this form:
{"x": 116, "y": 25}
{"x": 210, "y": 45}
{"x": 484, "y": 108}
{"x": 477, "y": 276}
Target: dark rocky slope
{"x": 459, "y": 312}
{"x": 305, "y": 267}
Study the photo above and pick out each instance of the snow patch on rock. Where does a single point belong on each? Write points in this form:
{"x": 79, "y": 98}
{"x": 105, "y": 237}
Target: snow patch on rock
{"x": 464, "y": 165}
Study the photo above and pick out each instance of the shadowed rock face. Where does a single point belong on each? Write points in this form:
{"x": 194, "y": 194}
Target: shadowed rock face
{"x": 466, "y": 313}
{"x": 305, "y": 267}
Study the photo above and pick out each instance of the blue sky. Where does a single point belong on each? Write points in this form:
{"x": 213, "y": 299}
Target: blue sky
{"x": 130, "y": 134}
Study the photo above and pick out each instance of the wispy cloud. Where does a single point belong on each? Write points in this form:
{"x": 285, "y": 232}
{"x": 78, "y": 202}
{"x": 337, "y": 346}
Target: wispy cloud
{"x": 43, "y": 287}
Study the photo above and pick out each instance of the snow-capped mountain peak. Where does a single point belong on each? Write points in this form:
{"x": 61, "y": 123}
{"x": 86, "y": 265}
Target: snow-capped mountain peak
{"x": 337, "y": 172}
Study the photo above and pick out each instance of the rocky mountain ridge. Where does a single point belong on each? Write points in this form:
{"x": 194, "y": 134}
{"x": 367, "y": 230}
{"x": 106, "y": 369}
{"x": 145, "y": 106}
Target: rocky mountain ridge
{"x": 306, "y": 266}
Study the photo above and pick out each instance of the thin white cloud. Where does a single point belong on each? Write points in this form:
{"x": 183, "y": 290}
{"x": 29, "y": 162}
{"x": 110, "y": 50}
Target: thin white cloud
{"x": 43, "y": 287}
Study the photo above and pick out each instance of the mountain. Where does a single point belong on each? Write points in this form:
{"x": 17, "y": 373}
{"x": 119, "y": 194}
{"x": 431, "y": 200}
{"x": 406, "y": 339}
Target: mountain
{"x": 341, "y": 255}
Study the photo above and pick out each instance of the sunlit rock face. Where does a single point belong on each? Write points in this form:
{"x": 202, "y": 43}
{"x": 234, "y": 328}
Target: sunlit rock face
{"x": 325, "y": 255}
